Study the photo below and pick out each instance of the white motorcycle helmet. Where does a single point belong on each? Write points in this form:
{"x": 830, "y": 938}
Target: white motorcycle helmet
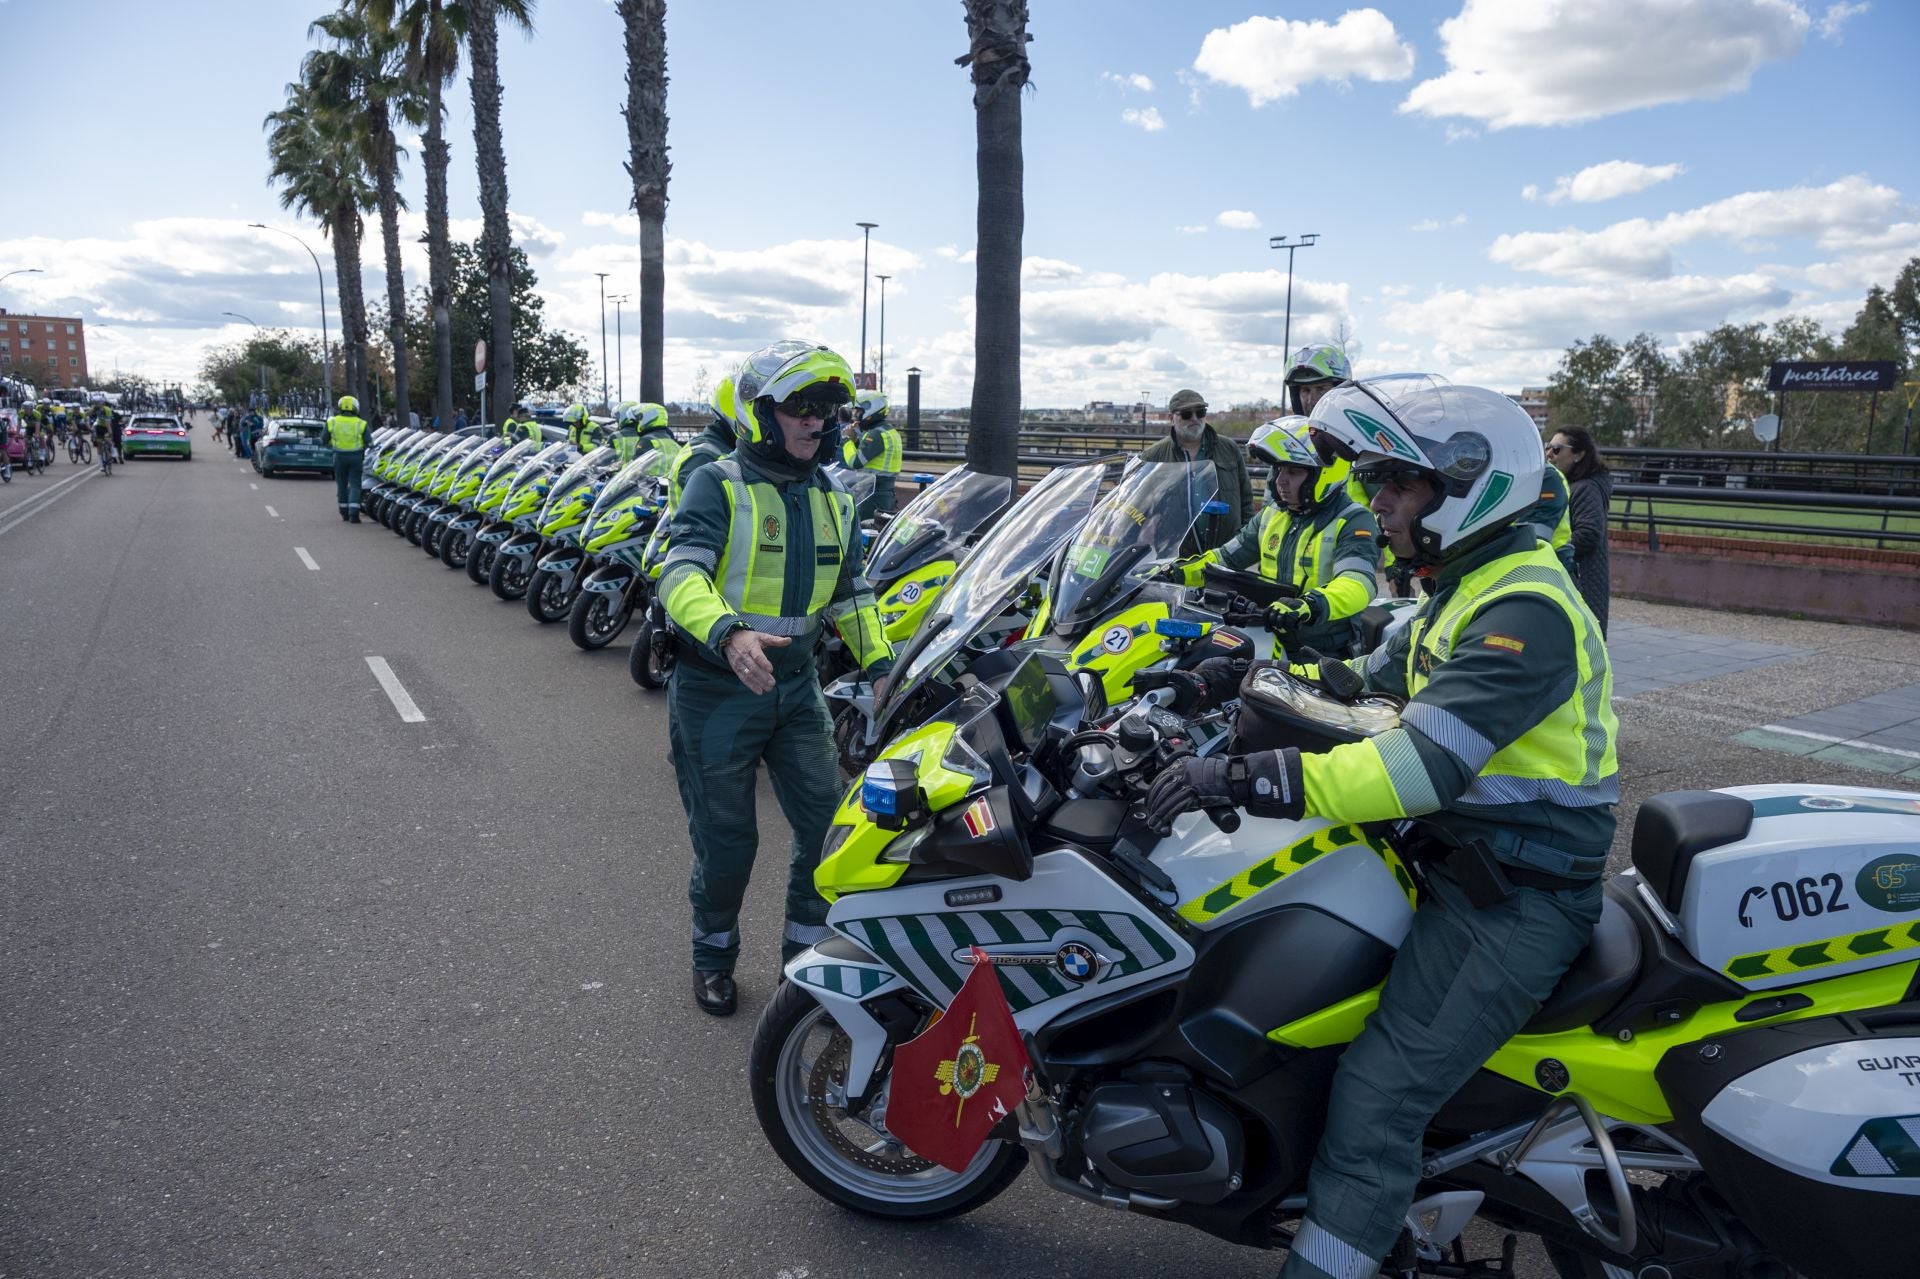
{"x": 1479, "y": 447}
{"x": 870, "y": 406}
{"x": 1283, "y": 442}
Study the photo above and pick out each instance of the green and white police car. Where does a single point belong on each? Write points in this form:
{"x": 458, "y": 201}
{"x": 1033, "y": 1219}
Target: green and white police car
{"x": 156, "y": 435}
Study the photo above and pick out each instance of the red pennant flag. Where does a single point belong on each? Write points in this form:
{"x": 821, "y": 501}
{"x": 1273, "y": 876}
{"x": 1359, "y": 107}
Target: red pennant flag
{"x": 961, "y": 1076}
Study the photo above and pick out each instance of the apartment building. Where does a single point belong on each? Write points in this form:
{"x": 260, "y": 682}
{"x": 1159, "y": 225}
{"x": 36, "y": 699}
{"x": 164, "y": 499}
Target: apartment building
{"x": 47, "y": 350}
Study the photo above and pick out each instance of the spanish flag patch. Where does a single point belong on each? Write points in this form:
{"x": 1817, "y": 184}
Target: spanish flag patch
{"x": 1363, "y": 532}
{"x": 1507, "y": 642}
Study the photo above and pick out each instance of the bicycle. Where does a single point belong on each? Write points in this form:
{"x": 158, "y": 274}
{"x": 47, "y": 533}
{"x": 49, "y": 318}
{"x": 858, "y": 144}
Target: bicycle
{"x": 79, "y": 448}
{"x": 106, "y": 457}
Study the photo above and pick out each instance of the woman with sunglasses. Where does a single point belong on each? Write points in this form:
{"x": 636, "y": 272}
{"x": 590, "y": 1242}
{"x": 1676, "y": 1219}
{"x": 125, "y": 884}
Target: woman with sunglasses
{"x": 1190, "y": 439}
{"x": 1590, "y": 484}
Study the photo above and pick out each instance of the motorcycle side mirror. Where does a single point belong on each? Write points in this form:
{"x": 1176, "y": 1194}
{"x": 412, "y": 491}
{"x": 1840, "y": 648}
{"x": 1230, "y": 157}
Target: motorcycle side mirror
{"x": 1095, "y": 694}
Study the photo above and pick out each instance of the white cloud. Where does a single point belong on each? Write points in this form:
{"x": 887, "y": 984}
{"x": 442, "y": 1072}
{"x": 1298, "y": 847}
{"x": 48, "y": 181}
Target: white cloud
{"x": 1837, "y": 16}
{"x": 1460, "y": 133}
{"x": 1134, "y": 81}
{"x": 1539, "y": 62}
{"x": 1200, "y": 229}
{"x": 1041, "y": 270}
{"x": 1270, "y": 59}
{"x": 1238, "y": 220}
{"x": 1840, "y": 215}
{"x": 1147, "y": 119}
{"x": 1434, "y": 224}
{"x": 1604, "y": 181}
{"x": 627, "y": 224}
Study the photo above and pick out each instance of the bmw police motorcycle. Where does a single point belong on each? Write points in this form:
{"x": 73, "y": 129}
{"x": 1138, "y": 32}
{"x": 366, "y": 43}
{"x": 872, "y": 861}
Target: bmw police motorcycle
{"x": 483, "y": 512}
{"x": 455, "y": 496}
{"x": 413, "y": 476}
{"x": 1725, "y": 1083}
{"x": 614, "y": 540}
{"x": 558, "y": 554}
{"x": 512, "y": 540}
{"x": 434, "y": 481}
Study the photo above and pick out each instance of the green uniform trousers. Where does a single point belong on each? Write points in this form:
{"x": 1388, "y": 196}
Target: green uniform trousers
{"x": 346, "y": 479}
{"x": 1465, "y": 981}
{"x": 883, "y": 496}
{"x": 720, "y": 732}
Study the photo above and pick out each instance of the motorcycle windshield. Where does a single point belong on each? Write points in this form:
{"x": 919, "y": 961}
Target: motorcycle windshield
{"x": 1138, "y": 527}
{"x": 480, "y": 459}
{"x": 995, "y": 572}
{"x": 937, "y": 524}
{"x": 858, "y": 484}
{"x": 545, "y": 460}
{"x": 578, "y": 476}
{"x": 637, "y": 481}
{"x": 508, "y": 462}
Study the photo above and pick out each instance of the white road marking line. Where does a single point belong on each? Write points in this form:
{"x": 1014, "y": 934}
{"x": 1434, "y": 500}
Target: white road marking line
{"x": 1839, "y": 741}
{"x": 396, "y": 691}
{"x": 27, "y": 508}
{"x": 305, "y": 558}
{"x": 252, "y": 485}
{"x": 272, "y": 512}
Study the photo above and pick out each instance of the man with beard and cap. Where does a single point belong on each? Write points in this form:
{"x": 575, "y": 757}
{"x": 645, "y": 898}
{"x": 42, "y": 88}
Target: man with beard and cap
{"x": 766, "y": 553}
{"x": 1190, "y": 439}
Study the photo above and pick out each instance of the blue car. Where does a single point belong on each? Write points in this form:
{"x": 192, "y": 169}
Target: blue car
{"x": 294, "y": 444}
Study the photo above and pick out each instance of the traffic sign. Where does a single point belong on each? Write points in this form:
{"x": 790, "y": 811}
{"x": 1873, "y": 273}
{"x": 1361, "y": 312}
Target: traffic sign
{"x": 480, "y": 356}
{"x": 480, "y": 381}
{"x": 1766, "y": 428}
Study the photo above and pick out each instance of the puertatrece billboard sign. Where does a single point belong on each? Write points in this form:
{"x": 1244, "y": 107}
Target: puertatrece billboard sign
{"x": 1832, "y": 375}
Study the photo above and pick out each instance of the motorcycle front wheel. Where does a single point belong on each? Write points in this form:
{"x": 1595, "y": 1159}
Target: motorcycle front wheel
{"x": 480, "y": 563}
{"x": 547, "y": 599}
{"x": 430, "y": 535}
{"x": 798, "y": 1066}
{"x": 508, "y": 577}
{"x": 594, "y": 621}
{"x": 455, "y": 546}
{"x": 644, "y": 663}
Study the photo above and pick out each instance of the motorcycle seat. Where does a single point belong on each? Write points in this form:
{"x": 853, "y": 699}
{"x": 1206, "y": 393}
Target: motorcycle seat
{"x": 1602, "y": 975}
{"x": 1672, "y": 829}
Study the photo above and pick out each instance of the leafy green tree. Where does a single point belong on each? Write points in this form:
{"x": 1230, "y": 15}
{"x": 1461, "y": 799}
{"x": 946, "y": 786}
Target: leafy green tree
{"x": 1592, "y": 388}
{"x": 288, "y": 364}
{"x": 1904, "y": 298}
{"x": 548, "y": 360}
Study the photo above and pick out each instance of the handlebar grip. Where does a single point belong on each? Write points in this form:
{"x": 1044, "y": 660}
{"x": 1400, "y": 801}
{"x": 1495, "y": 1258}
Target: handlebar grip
{"x": 1225, "y": 817}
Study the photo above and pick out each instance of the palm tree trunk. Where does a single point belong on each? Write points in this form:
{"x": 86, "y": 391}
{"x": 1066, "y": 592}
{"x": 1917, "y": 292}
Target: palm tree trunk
{"x": 387, "y": 175}
{"x": 997, "y": 31}
{"x": 352, "y": 298}
{"x": 439, "y": 249}
{"x": 648, "y": 166}
{"x": 496, "y": 237}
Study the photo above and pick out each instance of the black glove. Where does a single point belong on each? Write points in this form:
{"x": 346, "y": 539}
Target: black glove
{"x": 1266, "y": 784}
{"x": 1222, "y": 676}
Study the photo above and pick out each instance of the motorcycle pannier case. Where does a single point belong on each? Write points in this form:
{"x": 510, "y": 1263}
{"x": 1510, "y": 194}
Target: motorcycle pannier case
{"x": 1811, "y": 1130}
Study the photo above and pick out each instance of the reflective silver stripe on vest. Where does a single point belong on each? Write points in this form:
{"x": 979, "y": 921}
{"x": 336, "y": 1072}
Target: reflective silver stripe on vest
{"x": 1491, "y": 789}
{"x": 1409, "y": 776}
{"x": 1339, "y": 1259}
{"x": 797, "y": 627}
{"x": 692, "y": 555}
{"x": 1593, "y": 694}
{"x": 1450, "y": 733}
{"x": 1354, "y": 564}
{"x": 740, "y": 537}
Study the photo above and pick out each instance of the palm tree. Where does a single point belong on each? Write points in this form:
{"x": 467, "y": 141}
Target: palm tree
{"x": 648, "y": 166}
{"x": 432, "y": 32}
{"x": 496, "y": 237}
{"x": 365, "y": 78}
{"x": 997, "y": 57}
{"x": 318, "y": 164}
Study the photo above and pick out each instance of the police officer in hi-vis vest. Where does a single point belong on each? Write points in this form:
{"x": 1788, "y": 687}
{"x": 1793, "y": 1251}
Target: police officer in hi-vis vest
{"x": 766, "y": 554}
{"x": 347, "y": 433}
{"x": 1504, "y": 757}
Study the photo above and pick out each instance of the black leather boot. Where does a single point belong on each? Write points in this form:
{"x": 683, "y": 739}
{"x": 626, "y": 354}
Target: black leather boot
{"x": 715, "y": 992}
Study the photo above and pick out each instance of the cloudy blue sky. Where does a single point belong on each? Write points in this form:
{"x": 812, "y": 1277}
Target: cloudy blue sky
{"x": 1490, "y": 178}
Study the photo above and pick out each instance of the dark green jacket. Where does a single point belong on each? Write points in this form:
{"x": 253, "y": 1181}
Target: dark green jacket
{"x": 1236, "y": 490}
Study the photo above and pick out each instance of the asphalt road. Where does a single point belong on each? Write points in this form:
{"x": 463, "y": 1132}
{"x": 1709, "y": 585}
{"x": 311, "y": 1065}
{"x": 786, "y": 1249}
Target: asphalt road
{"x": 292, "y": 987}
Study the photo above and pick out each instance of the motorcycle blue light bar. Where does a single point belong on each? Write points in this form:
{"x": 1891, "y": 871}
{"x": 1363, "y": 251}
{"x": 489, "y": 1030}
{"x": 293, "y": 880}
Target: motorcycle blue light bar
{"x": 1178, "y": 630}
{"x": 880, "y": 792}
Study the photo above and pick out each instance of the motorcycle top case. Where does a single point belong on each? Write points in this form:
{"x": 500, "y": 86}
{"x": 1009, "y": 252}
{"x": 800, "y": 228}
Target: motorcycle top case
{"x": 1811, "y": 1130}
{"x": 1825, "y": 882}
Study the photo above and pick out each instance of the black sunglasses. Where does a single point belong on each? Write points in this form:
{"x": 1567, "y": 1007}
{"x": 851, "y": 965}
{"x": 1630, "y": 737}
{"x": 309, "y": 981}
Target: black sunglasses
{"x": 1187, "y": 415}
{"x": 809, "y": 408}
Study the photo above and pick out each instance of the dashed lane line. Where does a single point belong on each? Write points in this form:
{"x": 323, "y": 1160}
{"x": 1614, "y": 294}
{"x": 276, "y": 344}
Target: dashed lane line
{"x": 27, "y": 508}
{"x": 252, "y": 485}
{"x": 272, "y": 512}
{"x": 305, "y": 558}
{"x": 396, "y": 691}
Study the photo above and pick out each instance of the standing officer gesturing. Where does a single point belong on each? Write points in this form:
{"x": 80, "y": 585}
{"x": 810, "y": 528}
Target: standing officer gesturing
{"x": 1504, "y": 757}
{"x": 765, "y": 553}
{"x": 347, "y": 433}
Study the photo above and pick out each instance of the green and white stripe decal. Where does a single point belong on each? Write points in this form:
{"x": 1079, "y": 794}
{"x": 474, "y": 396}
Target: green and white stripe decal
{"x": 843, "y": 979}
{"x": 921, "y": 948}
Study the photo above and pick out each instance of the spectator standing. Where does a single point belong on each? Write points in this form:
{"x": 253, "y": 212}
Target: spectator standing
{"x": 1590, "y": 492}
{"x": 1190, "y": 439}
{"x": 460, "y": 418}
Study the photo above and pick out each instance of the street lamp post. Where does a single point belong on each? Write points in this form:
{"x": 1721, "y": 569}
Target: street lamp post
{"x": 603, "y": 335}
{"x": 326, "y": 353}
{"x": 24, "y": 270}
{"x": 1281, "y": 242}
{"x": 619, "y": 349}
{"x": 883, "y": 330}
{"x": 263, "y": 368}
{"x": 866, "y": 245}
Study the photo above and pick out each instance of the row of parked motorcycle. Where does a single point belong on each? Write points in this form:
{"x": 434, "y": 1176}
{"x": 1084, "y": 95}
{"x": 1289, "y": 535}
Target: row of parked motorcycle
{"x": 1707, "y": 1092}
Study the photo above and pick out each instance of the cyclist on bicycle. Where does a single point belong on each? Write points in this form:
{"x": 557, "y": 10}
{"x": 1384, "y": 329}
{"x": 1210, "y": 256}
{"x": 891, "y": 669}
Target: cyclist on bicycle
{"x": 103, "y": 443}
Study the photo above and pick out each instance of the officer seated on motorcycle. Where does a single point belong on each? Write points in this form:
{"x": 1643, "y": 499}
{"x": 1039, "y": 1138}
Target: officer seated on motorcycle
{"x": 1309, "y": 535}
{"x": 582, "y": 431}
{"x": 1504, "y": 757}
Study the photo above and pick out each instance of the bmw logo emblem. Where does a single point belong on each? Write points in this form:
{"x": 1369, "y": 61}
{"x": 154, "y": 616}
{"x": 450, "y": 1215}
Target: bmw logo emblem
{"x": 1077, "y": 962}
